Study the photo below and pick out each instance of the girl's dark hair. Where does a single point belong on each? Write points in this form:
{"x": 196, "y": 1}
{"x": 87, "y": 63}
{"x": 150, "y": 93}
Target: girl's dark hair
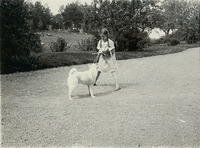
{"x": 105, "y": 32}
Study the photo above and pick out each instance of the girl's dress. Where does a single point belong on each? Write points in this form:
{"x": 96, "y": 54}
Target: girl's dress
{"x": 105, "y": 63}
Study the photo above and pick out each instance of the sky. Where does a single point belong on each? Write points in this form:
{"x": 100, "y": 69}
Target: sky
{"x": 54, "y": 6}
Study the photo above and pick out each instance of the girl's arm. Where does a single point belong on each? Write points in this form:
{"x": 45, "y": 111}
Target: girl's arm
{"x": 112, "y": 51}
{"x": 111, "y": 47}
{"x": 99, "y": 49}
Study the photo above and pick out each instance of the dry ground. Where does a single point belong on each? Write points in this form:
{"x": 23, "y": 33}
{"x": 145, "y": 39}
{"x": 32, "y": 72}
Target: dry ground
{"x": 158, "y": 105}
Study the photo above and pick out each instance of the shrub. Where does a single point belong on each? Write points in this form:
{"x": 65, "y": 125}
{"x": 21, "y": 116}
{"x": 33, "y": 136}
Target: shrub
{"x": 74, "y": 31}
{"x": 172, "y": 42}
{"x": 89, "y": 44}
{"x": 20, "y": 64}
{"x": 59, "y": 46}
{"x": 158, "y": 41}
{"x": 132, "y": 40}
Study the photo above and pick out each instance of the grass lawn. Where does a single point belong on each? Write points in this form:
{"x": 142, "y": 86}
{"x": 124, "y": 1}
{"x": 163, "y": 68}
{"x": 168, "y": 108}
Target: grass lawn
{"x": 76, "y": 56}
{"x": 71, "y": 38}
{"x": 160, "y": 49}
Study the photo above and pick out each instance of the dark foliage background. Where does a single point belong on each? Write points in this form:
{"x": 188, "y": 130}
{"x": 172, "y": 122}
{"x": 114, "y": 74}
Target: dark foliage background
{"x": 128, "y": 21}
{"x": 17, "y": 39}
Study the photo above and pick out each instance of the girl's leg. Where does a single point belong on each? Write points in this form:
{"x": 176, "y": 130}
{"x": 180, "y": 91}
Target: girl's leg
{"x": 98, "y": 74}
{"x": 116, "y": 81}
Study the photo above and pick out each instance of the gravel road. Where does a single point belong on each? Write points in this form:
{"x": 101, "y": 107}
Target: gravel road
{"x": 158, "y": 105}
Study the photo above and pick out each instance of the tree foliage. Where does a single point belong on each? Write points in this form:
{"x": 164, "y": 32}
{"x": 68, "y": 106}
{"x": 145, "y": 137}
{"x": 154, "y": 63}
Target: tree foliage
{"x": 40, "y": 16}
{"x": 189, "y": 21}
{"x": 181, "y": 17}
{"x": 72, "y": 16}
{"x": 57, "y": 22}
{"x": 128, "y": 21}
{"x": 169, "y": 16}
{"x": 17, "y": 40}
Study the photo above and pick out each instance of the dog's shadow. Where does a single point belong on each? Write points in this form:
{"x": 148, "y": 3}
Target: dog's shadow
{"x": 106, "y": 93}
{"x": 109, "y": 90}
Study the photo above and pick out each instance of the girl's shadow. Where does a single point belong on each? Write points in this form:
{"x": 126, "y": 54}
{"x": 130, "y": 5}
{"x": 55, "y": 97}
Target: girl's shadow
{"x": 109, "y": 90}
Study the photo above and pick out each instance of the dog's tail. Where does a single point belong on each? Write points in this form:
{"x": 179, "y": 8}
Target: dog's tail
{"x": 72, "y": 71}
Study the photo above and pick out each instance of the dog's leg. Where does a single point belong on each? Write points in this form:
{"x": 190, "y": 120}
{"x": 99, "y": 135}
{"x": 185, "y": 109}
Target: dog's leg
{"x": 70, "y": 93}
{"x": 91, "y": 91}
{"x": 71, "y": 87}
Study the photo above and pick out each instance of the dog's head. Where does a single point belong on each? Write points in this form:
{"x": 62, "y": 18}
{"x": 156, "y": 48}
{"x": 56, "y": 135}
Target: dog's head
{"x": 92, "y": 67}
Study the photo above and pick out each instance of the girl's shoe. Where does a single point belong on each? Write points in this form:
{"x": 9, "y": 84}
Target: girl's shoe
{"x": 117, "y": 88}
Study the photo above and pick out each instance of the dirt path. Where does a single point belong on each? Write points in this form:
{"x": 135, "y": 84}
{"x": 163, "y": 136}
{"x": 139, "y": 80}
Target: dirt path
{"x": 159, "y": 105}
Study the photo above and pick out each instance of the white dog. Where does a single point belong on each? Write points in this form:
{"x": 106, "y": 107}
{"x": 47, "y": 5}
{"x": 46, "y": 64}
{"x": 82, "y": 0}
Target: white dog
{"x": 86, "y": 78}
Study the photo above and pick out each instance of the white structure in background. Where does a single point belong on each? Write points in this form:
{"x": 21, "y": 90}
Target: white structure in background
{"x": 156, "y": 33}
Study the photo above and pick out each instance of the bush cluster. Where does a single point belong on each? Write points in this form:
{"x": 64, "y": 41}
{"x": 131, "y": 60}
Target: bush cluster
{"x": 59, "y": 46}
{"x": 89, "y": 44}
{"x": 16, "y": 52}
{"x": 20, "y": 64}
{"x": 170, "y": 41}
{"x": 132, "y": 40}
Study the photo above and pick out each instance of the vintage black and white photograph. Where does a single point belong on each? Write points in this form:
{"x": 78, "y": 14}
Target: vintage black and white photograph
{"x": 100, "y": 73}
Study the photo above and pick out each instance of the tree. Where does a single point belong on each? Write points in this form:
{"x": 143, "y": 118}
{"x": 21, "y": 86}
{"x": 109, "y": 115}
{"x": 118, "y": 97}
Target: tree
{"x": 72, "y": 16}
{"x": 57, "y": 21}
{"x": 61, "y": 9}
{"x": 169, "y": 14}
{"x": 189, "y": 20}
{"x": 127, "y": 21}
{"x": 41, "y": 16}
{"x": 181, "y": 17}
{"x": 17, "y": 40}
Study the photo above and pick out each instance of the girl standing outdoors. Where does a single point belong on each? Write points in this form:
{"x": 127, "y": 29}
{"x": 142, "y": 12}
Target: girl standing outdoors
{"x": 106, "y": 55}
